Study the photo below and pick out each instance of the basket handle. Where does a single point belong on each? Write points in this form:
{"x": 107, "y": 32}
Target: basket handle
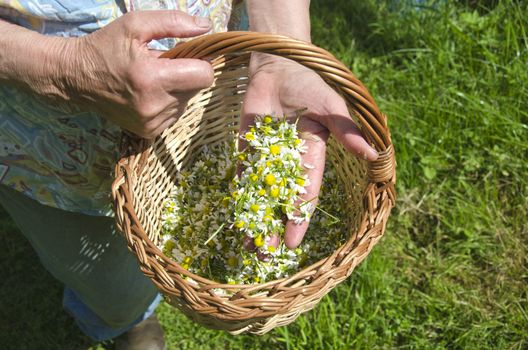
{"x": 372, "y": 122}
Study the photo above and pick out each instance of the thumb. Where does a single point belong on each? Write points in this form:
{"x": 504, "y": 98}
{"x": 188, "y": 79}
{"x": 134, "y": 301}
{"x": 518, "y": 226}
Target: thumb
{"x": 157, "y": 24}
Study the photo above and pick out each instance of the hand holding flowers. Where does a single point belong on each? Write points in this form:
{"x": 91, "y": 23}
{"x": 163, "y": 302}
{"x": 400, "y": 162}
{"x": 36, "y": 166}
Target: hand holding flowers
{"x": 282, "y": 87}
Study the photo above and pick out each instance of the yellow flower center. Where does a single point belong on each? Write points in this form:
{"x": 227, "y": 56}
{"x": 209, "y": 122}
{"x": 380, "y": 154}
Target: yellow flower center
{"x": 268, "y": 119}
{"x": 253, "y": 177}
{"x": 241, "y": 156}
{"x": 239, "y": 224}
{"x": 170, "y": 245}
{"x": 299, "y": 181}
{"x": 254, "y": 208}
{"x": 232, "y": 261}
{"x": 261, "y": 192}
{"x": 269, "y": 179}
{"x": 275, "y": 149}
{"x": 274, "y": 192}
{"x": 250, "y": 136}
{"x": 259, "y": 241}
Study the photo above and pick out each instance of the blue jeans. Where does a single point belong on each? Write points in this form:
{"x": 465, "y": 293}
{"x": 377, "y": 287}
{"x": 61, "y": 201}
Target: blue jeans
{"x": 105, "y": 291}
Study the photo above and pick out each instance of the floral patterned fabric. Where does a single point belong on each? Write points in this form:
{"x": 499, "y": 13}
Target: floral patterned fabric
{"x": 62, "y": 157}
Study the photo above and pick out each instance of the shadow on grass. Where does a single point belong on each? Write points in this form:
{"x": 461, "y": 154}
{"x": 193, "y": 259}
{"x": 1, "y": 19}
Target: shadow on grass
{"x": 358, "y": 21}
{"x": 31, "y": 313}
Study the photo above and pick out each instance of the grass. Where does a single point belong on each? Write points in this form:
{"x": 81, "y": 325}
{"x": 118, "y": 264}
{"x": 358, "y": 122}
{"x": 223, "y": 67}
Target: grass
{"x": 452, "y": 270}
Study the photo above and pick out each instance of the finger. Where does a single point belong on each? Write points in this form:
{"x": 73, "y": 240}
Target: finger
{"x": 339, "y": 122}
{"x": 183, "y": 74}
{"x": 262, "y": 255}
{"x": 313, "y": 161}
{"x": 260, "y": 99}
{"x": 164, "y": 125}
{"x": 154, "y": 126}
{"x": 273, "y": 241}
{"x": 156, "y": 24}
{"x": 155, "y": 53}
{"x": 249, "y": 244}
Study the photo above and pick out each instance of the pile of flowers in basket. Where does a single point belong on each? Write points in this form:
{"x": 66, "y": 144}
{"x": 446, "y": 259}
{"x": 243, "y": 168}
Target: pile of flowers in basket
{"x": 226, "y": 218}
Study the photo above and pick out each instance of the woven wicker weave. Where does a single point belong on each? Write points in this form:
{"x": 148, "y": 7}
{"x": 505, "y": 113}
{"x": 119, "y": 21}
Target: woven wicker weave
{"x": 145, "y": 176}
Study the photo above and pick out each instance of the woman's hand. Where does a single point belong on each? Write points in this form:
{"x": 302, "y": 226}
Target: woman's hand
{"x": 112, "y": 71}
{"x": 282, "y": 87}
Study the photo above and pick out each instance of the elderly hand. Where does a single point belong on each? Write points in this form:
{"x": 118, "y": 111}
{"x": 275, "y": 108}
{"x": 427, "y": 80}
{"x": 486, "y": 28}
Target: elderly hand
{"x": 112, "y": 71}
{"x": 282, "y": 87}
{"x": 128, "y": 83}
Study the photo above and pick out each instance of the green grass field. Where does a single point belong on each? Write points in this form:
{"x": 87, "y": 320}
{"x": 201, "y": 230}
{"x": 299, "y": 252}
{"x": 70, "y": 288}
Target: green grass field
{"x": 452, "y": 269}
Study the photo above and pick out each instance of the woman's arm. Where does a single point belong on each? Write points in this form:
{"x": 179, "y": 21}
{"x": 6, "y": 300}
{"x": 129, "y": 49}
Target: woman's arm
{"x": 290, "y": 18}
{"x": 33, "y": 61}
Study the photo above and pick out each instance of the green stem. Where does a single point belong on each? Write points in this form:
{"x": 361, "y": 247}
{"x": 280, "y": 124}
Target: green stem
{"x": 214, "y": 234}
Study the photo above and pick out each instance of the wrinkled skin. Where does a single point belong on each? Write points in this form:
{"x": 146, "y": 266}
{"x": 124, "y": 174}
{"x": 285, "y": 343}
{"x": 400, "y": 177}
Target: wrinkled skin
{"x": 111, "y": 71}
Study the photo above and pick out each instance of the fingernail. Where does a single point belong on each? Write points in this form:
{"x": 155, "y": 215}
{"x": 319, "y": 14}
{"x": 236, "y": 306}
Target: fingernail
{"x": 202, "y": 22}
{"x": 371, "y": 154}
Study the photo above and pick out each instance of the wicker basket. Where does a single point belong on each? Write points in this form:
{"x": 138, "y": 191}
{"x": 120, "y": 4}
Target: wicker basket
{"x": 145, "y": 176}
